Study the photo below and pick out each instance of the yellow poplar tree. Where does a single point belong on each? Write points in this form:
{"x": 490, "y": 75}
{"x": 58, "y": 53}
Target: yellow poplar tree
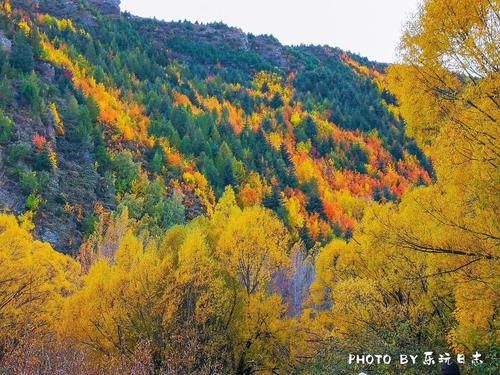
{"x": 34, "y": 280}
{"x": 426, "y": 270}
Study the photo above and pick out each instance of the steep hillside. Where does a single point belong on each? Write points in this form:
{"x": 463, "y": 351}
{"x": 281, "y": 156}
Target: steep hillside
{"x": 102, "y": 111}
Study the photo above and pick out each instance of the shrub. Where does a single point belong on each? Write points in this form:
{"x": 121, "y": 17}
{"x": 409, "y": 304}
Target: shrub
{"x": 42, "y": 161}
{"x": 33, "y": 202}
{"x": 125, "y": 171}
{"x": 6, "y": 126}
{"x": 19, "y": 152}
{"x": 89, "y": 224}
{"x": 30, "y": 92}
{"x": 22, "y": 53}
{"x": 29, "y": 182}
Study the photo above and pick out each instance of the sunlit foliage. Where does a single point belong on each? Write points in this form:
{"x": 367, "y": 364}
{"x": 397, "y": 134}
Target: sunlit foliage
{"x": 427, "y": 268}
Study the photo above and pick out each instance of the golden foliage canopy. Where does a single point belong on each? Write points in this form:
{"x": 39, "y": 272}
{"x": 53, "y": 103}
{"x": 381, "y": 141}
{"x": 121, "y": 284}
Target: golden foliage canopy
{"x": 432, "y": 262}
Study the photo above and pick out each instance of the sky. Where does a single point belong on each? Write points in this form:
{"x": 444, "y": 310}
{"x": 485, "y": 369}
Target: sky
{"x": 371, "y": 28}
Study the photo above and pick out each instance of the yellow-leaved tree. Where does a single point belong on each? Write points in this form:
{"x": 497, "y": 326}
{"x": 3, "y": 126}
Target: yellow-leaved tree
{"x": 252, "y": 247}
{"x": 424, "y": 273}
{"x": 448, "y": 88}
{"x": 198, "y": 299}
{"x": 34, "y": 280}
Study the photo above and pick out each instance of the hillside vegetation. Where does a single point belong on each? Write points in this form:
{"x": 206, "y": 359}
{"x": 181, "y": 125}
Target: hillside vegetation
{"x": 227, "y": 204}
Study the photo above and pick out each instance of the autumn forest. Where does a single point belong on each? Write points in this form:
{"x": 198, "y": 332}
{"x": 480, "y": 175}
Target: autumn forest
{"x": 185, "y": 198}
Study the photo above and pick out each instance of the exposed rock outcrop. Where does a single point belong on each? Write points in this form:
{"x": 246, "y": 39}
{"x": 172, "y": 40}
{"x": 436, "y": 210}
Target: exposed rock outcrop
{"x": 75, "y": 9}
{"x": 5, "y": 43}
{"x": 272, "y": 50}
{"x": 106, "y": 7}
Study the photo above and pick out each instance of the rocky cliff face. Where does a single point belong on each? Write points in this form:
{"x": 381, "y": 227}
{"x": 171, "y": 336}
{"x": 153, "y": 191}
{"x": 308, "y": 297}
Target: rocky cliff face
{"x": 215, "y": 34}
{"x": 5, "y": 43}
{"x": 106, "y": 7}
{"x": 72, "y": 8}
{"x": 219, "y": 36}
{"x": 272, "y": 50}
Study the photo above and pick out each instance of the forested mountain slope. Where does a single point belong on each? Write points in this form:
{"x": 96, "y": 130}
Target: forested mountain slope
{"x": 102, "y": 110}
